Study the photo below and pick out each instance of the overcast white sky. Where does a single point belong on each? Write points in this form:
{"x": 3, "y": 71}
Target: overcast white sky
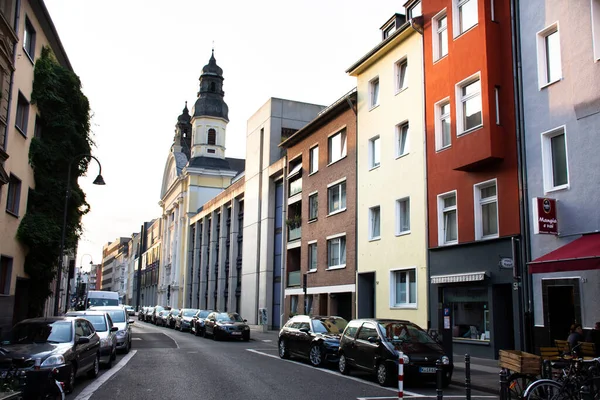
{"x": 140, "y": 60}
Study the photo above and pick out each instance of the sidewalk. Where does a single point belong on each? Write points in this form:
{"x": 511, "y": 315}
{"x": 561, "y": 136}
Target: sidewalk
{"x": 485, "y": 373}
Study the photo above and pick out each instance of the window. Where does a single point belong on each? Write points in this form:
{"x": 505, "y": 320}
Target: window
{"x": 401, "y": 68}
{"x": 466, "y": 17}
{"x": 554, "y": 160}
{"x": 596, "y": 28}
{"x": 336, "y": 252}
{"x": 367, "y": 331}
{"x": 440, "y": 39}
{"x": 308, "y": 301}
{"x": 388, "y": 31}
{"x": 374, "y": 152}
{"x": 470, "y": 312}
{"x": 549, "y": 61}
{"x": 402, "y": 216}
{"x": 14, "y": 195}
{"x": 29, "y": 39}
{"x": 212, "y": 137}
{"x": 313, "y": 206}
{"x": 401, "y": 139}
{"x": 293, "y": 304}
{"x": 5, "y": 274}
{"x": 337, "y": 146}
{"x": 374, "y": 92}
{"x": 37, "y": 130}
{"x": 314, "y": 159}
{"x": 447, "y": 219}
{"x": 442, "y": 125}
{"x": 415, "y": 10}
{"x": 486, "y": 210}
{"x": 312, "y": 257}
{"x": 374, "y": 223}
{"x": 404, "y": 288}
{"x": 337, "y": 197}
{"x": 469, "y": 106}
{"x": 22, "y": 114}
{"x": 497, "y": 97}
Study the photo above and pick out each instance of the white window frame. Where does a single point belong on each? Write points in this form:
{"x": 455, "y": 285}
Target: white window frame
{"x": 374, "y": 95}
{"x": 374, "y": 142}
{"x": 547, "y": 164}
{"x": 310, "y": 246}
{"x": 393, "y": 275}
{"x": 479, "y": 203}
{"x": 400, "y": 77}
{"x": 493, "y": 10}
{"x": 439, "y": 117}
{"x": 436, "y": 35}
{"x": 542, "y": 52}
{"x": 456, "y": 5}
{"x": 29, "y": 36}
{"x": 341, "y": 237}
{"x": 399, "y": 133}
{"x": 497, "y": 98}
{"x": 411, "y": 10}
{"x": 333, "y": 158}
{"x": 595, "y": 12}
{"x": 330, "y": 187}
{"x": 313, "y": 157}
{"x": 372, "y": 213}
{"x": 441, "y": 224}
{"x": 399, "y": 217}
{"x": 460, "y": 128}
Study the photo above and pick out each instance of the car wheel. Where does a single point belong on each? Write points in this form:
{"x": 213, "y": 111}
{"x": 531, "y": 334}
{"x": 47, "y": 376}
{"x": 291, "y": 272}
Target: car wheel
{"x": 246, "y": 338}
{"x": 215, "y": 335}
{"x": 316, "y": 355}
{"x": 113, "y": 356}
{"x": 283, "y": 350}
{"x": 196, "y": 331}
{"x": 343, "y": 366}
{"x": 128, "y": 347}
{"x": 204, "y": 334}
{"x": 70, "y": 384}
{"x": 92, "y": 373}
{"x": 109, "y": 364}
{"x": 383, "y": 374}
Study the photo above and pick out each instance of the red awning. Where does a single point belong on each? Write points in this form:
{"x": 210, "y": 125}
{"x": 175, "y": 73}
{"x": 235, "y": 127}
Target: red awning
{"x": 579, "y": 255}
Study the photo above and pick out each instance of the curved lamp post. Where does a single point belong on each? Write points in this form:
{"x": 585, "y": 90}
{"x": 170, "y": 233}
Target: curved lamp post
{"x": 98, "y": 181}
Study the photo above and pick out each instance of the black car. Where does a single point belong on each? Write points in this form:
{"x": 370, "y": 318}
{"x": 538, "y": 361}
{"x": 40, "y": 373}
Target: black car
{"x": 198, "y": 322}
{"x": 171, "y": 317}
{"x": 221, "y": 325}
{"x": 314, "y": 338}
{"x": 69, "y": 344}
{"x": 184, "y": 320}
{"x": 374, "y": 345}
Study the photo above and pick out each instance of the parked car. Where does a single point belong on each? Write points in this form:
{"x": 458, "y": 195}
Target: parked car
{"x": 373, "y": 345}
{"x": 183, "y": 321}
{"x": 171, "y": 317}
{"x": 161, "y": 318}
{"x": 130, "y": 310}
{"x": 198, "y": 322}
{"x": 314, "y": 338}
{"x": 155, "y": 312}
{"x": 105, "y": 329}
{"x": 69, "y": 344}
{"x": 221, "y": 325}
{"x": 121, "y": 321}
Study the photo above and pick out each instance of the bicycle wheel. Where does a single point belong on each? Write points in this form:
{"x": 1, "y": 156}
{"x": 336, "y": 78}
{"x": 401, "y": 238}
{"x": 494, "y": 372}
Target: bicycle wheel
{"x": 546, "y": 390}
{"x": 517, "y": 383}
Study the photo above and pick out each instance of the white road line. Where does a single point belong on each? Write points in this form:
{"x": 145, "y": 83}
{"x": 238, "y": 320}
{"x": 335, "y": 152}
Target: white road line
{"x": 172, "y": 338}
{"x": 336, "y": 374}
{"x": 90, "y": 389}
{"x": 267, "y": 340}
{"x": 427, "y": 397}
{"x": 136, "y": 338}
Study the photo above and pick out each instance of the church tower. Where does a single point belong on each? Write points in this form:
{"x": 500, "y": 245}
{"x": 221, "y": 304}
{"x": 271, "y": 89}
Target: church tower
{"x": 182, "y": 142}
{"x": 210, "y": 114}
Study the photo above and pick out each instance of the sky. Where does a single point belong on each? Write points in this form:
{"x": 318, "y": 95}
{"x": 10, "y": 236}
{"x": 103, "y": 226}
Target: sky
{"x": 139, "y": 61}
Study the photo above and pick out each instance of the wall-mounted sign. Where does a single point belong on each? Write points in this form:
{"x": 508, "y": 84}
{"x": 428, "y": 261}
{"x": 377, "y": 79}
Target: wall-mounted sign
{"x": 506, "y": 262}
{"x": 544, "y": 216}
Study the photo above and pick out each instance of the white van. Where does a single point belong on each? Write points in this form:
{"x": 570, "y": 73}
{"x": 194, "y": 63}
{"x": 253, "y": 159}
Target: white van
{"x": 101, "y": 298}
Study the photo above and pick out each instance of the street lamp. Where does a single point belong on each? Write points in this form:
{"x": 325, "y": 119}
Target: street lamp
{"x": 98, "y": 181}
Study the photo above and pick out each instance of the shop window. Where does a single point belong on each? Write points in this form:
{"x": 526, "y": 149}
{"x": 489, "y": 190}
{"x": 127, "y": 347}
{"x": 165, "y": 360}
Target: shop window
{"x": 470, "y": 312}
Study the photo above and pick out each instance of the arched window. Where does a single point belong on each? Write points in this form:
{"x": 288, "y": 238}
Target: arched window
{"x": 212, "y": 137}
{"x": 212, "y": 86}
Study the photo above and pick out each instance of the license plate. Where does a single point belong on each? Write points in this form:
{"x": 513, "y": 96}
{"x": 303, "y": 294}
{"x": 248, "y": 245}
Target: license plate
{"x": 236, "y": 333}
{"x": 427, "y": 370}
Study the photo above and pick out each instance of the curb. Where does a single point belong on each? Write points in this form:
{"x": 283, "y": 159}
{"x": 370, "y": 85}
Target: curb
{"x": 486, "y": 389}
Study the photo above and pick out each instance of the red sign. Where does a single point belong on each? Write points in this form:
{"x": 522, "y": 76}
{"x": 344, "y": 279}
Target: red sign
{"x": 544, "y": 216}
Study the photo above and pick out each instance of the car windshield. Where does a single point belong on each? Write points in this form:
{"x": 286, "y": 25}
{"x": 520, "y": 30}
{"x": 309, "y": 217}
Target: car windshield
{"x": 99, "y": 322}
{"x": 159, "y": 308}
{"x": 175, "y": 312}
{"x": 116, "y": 315}
{"x": 400, "y": 332}
{"x": 42, "y": 332}
{"x": 189, "y": 313}
{"x": 229, "y": 317}
{"x": 329, "y": 325}
{"x": 203, "y": 314}
{"x": 95, "y": 302}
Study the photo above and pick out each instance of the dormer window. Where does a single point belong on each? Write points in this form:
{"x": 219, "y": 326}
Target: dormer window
{"x": 414, "y": 10}
{"x": 212, "y": 137}
{"x": 388, "y": 31}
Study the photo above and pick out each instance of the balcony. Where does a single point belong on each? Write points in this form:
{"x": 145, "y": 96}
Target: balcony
{"x": 294, "y": 233}
{"x": 294, "y": 278}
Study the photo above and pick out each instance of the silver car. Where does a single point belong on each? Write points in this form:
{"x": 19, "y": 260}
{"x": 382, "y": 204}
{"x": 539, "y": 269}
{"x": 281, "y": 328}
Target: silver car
{"x": 105, "y": 329}
{"x": 123, "y": 322}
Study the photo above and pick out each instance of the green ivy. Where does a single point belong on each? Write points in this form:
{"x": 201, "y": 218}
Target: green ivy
{"x": 65, "y": 125}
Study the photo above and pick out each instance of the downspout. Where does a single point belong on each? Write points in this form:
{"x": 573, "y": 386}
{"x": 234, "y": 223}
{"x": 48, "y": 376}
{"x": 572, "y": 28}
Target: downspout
{"x": 284, "y": 244}
{"x": 355, "y": 111}
{"x": 259, "y": 221}
{"x": 524, "y": 248}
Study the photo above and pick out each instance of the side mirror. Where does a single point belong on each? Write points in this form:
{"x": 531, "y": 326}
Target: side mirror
{"x": 83, "y": 340}
{"x": 245, "y": 320}
{"x": 114, "y": 329}
{"x": 373, "y": 339}
{"x": 304, "y": 330}
{"x": 130, "y": 321}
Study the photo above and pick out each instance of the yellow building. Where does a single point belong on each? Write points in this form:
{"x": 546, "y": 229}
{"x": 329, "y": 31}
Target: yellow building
{"x": 391, "y": 218}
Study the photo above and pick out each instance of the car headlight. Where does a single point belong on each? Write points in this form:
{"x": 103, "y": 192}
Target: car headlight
{"x": 121, "y": 334}
{"x": 53, "y": 361}
{"x": 445, "y": 360}
{"x": 246, "y": 328}
{"x": 105, "y": 342}
{"x": 405, "y": 357}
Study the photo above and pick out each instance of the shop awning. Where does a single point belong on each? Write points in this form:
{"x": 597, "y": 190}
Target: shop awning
{"x": 579, "y": 255}
{"x": 295, "y": 171}
{"x": 457, "y": 278}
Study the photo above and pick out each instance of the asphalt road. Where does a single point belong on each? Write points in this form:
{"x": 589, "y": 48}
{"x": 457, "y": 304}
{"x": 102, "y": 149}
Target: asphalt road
{"x": 168, "y": 364}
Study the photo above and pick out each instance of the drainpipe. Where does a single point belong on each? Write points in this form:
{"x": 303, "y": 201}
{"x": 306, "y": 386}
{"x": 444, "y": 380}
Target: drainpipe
{"x": 354, "y": 110}
{"x": 259, "y": 222}
{"x": 283, "y": 245}
{"x": 524, "y": 248}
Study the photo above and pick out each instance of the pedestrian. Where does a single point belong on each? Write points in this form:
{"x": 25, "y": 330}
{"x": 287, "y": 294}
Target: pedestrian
{"x": 575, "y": 336}
{"x": 593, "y": 336}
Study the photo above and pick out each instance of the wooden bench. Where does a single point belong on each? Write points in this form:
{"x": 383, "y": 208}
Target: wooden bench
{"x": 550, "y": 353}
{"x": 587, "y": 349}
{"x": 563, "y": 346}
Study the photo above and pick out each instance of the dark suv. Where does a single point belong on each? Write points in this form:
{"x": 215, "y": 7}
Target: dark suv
{"x": 374, "y": 345}
{"x": 314, "y": 338}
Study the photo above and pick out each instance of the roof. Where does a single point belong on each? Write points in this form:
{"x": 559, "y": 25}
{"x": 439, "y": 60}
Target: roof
{"x": 44, "y": 19}
{"x": 231, "y": 164}
{"x": 579, "y": 255}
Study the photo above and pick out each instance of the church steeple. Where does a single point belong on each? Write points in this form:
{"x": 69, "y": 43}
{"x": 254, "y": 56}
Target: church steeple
{"x": 182, "y": 141}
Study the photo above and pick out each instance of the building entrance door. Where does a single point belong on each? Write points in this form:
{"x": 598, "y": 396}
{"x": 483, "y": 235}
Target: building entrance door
{"x": 561, "y": 311}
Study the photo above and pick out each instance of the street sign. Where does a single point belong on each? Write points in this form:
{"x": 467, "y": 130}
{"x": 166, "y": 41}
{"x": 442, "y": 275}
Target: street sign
{"x": 544, "y": 216}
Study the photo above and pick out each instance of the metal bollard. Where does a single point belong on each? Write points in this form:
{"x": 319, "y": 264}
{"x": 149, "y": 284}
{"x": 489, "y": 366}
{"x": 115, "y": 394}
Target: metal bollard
{"x": 439, "y": 374}
{"x": 503, "y": 384}
{"x": 400, "y": 375}
{"x": 468, "y": 376}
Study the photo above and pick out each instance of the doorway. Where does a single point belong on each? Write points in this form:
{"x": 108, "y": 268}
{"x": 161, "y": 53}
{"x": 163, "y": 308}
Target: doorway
{"x": 561, "y": 311}
{"x": 366, "y": 295}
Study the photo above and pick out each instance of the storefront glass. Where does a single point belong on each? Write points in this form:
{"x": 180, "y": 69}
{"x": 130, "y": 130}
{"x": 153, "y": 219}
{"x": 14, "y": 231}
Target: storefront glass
{"x": 470, "y": 313}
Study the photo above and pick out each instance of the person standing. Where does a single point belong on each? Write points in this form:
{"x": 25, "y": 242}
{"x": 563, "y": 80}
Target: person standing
{"x": 575, "y": 336}
{"x": 593, "y": 336}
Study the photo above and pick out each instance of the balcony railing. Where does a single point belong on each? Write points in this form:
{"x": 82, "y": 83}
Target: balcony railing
{"x": 294, "y": 278}
{"x": 294, "y": 233}
{"x": 295, "y": 187}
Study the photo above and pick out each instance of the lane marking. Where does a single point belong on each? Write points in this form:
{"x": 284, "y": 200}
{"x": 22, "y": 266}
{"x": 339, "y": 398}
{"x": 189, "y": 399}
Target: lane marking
{"x": 136, "y": 338}
{"x": 163, "y": 332}
{"x": 427, "y": 397}
{"x": 90, "y": 389}
{"x": 267, "y": 340}
{"x": 171, "y": 337}
{"x": 335, "y": 373}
